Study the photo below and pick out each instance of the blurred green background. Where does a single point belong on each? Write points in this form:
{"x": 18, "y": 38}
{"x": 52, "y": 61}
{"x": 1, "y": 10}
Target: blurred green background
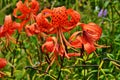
{"x": 105, "y": 66}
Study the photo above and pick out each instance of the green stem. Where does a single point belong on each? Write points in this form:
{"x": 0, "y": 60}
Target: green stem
{"x": 112, "y": 22}
{"x": 116, "y": 11}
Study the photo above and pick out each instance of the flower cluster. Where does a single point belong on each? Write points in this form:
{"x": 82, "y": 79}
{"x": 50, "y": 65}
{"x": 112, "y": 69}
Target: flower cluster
{"x": 52, "y": 21}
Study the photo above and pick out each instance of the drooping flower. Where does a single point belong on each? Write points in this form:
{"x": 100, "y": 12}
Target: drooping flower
{"x": 3, "y": 63}
{"x": 53, "y": 49}
{"x": 32, "y": 29}
{"x": 8, "y": 28}
{"x": 51, "y": 21}
{"x": 51, "y": 46}
{"x": 57, "y": 21}
{"x": 90, "y": 34}
{"x": 91, "y": 31}
{"x": 59, "y": 18}
{"x": 43, "y": 23}
{"x": 27, "y": 10}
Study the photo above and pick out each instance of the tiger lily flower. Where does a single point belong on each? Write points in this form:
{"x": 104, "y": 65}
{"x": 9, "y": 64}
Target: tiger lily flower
{"x": 60, "y": 18}
{"x": 8, "y": 28}
{"x": 28, "y": 11}
{"x": 31, "y": 29}
{"x": 91, "y": 32}
{"x": 52, "y": 47}
{"x": 3, "y": 63}
{"x": 57, "y": 21}
{"x": 41, "y": 25}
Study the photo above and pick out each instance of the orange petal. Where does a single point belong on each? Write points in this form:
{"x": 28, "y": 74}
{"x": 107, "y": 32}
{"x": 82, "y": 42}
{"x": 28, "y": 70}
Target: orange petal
{"x": 8, "y": 27}
{"x": 7, "y": 22}
{"x": 50, "y": 45}
{"x": 74, "y": 35}
{"x": 73, "y": 54}
{"x": 43, "y": 23}
{"x": 77, "y": 43}
{"x": 34, "y": 6}
{"x": 47, "y": 12}
{"x": 22, "y": 8}
{"x": 59, "y": 17}
{"x": 75, "y": 40}
{"x": 91, "y": 31}
{"x": 89, "y": 48}
{"x": 31, "y": 29}
{"x": 2, "y": 32}
{"x": 74, "y": 17}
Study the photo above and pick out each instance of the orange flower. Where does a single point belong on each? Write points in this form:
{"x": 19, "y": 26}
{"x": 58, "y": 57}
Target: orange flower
{"x": 91, "y": 33}
{"x": 31, "y": 29}
{"x": 3, "y": 63}
{"x": 8, "y": 28}
{"x": 51, "y": 21}
{"x": 43, "y": 23}
{"x": 59, "y": 18}
{"x": 57, "y": 21}
{"x": 51, "y": 46}
{"x": 27, "y": 11}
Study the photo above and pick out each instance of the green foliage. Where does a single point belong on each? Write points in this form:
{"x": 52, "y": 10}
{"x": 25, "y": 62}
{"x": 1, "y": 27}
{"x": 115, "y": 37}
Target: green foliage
{"x": 25, "y": 61}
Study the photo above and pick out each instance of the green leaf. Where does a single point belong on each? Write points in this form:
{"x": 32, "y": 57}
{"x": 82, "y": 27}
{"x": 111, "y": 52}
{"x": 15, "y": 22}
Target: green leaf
{"x": 8, "y": 73}
{"x": 110, "y": 56}
{"x": 115, "y": 63}
{"x": 78, "y": 60}
{"x": 101, "y": 77}
{"x": 26, "y": 45}
{"x": 2, "y": 16}
{"x": 19, "y": 74}
{"x": 92, "y": 72}
{"x": 111, "y": 76}
{"x": 84, "y": 72}
{"x": 106, "y": 70}
{"x": 66, "y": 70}
{"x": 90, "y": 56}
{"x": 106, "y": 3}
{"x": 14, "y": 1}
{"x": 100, "y": 66}
{"x": 33, "y": 39}
{"x": 89, "y": 77}
{"x": 75, "y": 76}
{"x": 40, "y": 75}
{"x": 49, "y": 77}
